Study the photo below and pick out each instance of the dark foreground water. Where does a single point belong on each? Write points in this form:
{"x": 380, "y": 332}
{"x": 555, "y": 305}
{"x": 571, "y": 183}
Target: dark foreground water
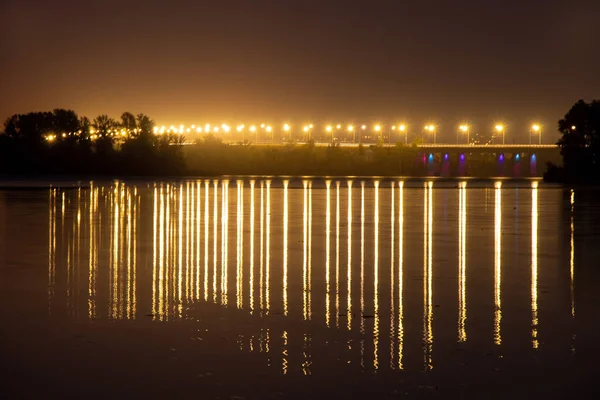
{"x": 256, "y": 288}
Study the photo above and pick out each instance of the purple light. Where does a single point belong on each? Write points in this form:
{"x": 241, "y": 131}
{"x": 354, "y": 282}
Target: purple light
{"x": 445, "y": 157}
{"x": 501, "y": 158}
{"x": 462, "y": 157}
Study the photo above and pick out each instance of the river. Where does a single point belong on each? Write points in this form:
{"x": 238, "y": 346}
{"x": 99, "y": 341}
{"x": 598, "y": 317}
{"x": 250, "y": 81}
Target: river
{"x": 299, "y": 288}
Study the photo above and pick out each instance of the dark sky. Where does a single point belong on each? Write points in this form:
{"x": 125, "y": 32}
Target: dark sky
{"x": 194, "y": 61}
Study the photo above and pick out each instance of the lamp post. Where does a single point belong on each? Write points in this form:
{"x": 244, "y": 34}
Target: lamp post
{"x": 537, "y": 129}
{"x": 269, "y": 129}
{"x": 240, "y": 129}
{"x": 253, "y": 129}
{"x": 329, "y": 130}
{"x": 402, "y": 128}
{"x": 500, "y": 129}
{"x": 352, "y": 131}
{"x": 378, "y": 130}
{"x": 464, "y": 129}
{"x": 361, "y": 135}
{"x": 288, "y": 129}
{"x": 431, "y": 128}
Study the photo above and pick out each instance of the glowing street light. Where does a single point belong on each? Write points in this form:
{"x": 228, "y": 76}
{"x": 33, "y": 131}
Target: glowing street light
{"x": 402, "y": 128}
{"x": 307, "y": 130}
{"x": 351, "y": 130}
{"x": 240, "y": 128}
{"x": 253, "y": 129}
{"x": 500, "y": 129}
{"x": 329, "y": 129}
{"x": 338, "y": 126}
{"x": 288, "y": 128}
{"x": 538, "y": 130}
{"x": 431, "y": 128}
{"x": 464, "y": 129}
{"x": 269, "y": 129}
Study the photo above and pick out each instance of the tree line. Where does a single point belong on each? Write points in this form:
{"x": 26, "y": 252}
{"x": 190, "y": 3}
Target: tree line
{"x": 62, "y": 142}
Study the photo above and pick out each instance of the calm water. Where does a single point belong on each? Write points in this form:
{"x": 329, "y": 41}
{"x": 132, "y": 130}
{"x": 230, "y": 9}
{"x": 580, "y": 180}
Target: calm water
{"x": 258, "y": 288}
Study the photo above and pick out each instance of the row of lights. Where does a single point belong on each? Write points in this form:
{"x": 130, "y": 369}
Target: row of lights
{"x": 306, "y": 128}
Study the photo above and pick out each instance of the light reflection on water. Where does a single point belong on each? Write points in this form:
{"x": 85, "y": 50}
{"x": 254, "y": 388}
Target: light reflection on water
{"x": 147, "y": 250}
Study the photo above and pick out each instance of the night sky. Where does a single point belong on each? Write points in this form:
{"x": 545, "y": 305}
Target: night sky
{"x": 189, "y": 61}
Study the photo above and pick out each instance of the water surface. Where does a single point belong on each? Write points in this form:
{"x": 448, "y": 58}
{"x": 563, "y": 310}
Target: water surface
{"x": 298, "y": 288}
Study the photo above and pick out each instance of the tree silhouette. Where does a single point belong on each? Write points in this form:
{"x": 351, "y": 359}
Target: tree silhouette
{"x": 580, "y": 141}
{"x": 104, "y": 125}
{"x": 128, "y": 121}
{"x": 65, "y": 121}
{"x": 145, "y": 125}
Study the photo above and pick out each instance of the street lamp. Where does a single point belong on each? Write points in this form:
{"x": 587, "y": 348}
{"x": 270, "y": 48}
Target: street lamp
{"x": 329, "y": 130}
{"x": 431, "y": 128}
{"x": 402, "y": 128}
{"x": 351, "y": 130}
{"x": 253, "y": 129}
{"x": 287, "y": 128}
{"x": 378, "y": 130}
{"x": 464, "y": 129}
{"x": 306, "y": 130}
{"x": 537, "y": 129}
{"x": 500, "y": 129}
{"x": 270, "y": 130}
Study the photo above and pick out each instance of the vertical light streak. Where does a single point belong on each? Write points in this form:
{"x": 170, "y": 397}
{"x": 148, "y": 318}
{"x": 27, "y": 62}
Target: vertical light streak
{"x": 115, "y": 255}
{"x": 224, "y": 241}
{"x": 93, "y": 251}
{"x": 328, "y": 252}
{"x": 349, "y": 265}
{"x": 362, "y": 273}
{"x": 215, "y": 240}
{"x": 376, "y": 279}
{"x": 462, "y": 264}
{"x": 161, "y": 249}
{"x": 310, "y": 250}
{"x": 572, "y": 252}
{"x": 262, "y": 235}
{"x": 129, "y": 260}
{"x": 134, "y": 257}
{"x": 392, "y": 275}
{"x": 187, "y": 275}
{"x": 285, "y": 251}
{"x": 239, "y": 247}
{"x": 498, "y": 264}
{"x": 337, "y": 254}
{"x": 251, "y": 289}
{"x": 180, "y": 238}
{"x": 534, "y": 266}
{"x": 400, "y": 274}
{"x": 305, "y": 252}
{"x": 427, "y": 274}
{"x": 206, "y": 235}
{"x": 198, "y": 221}
{"x": 268, "y": 248}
